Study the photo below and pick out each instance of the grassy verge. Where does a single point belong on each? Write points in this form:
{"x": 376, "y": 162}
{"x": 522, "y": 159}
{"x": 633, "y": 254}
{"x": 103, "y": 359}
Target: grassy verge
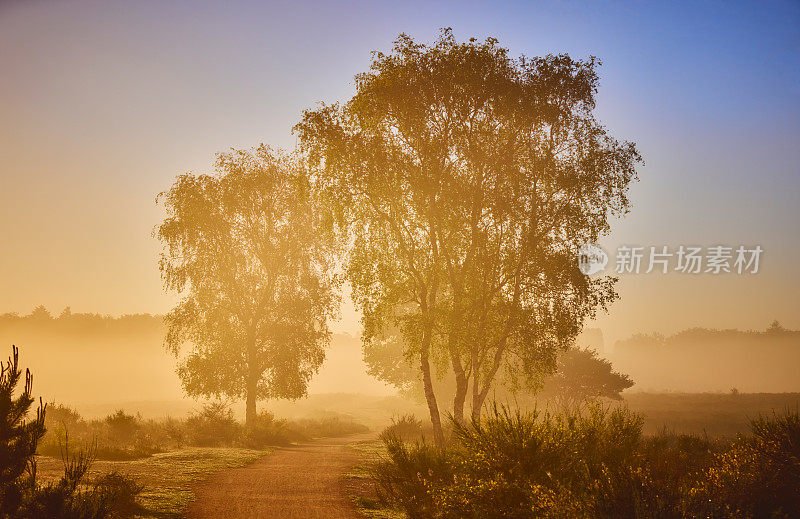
{"x": 168, "y": 477}
{"x": 360, "y": 485}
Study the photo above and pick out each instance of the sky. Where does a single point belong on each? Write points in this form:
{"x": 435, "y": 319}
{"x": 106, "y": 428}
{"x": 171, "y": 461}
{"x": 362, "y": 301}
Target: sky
{"x": 103, "y": 103}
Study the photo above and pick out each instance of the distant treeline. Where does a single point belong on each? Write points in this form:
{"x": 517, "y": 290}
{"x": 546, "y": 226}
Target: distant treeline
{"x": 701, "y": 359}
{"x": 42, "y": 320}
{"x": 80, "y": 357}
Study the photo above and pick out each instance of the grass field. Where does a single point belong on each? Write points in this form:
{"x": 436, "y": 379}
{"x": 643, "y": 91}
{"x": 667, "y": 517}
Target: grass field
{"x": 715, "y": 414}
{"x": 168, "y": 478}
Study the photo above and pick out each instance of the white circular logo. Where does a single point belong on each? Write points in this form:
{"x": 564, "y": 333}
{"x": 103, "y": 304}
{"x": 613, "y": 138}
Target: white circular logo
{"x": 591, "y": 259}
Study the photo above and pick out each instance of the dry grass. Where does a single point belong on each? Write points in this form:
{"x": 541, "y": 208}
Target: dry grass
{"x": 168, "y": 478}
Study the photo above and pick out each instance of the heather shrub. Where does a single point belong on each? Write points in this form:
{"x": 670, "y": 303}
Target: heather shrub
{"x": 591, "y": 463}
{"x": 266, "y": 430}
{"x": 326, "y": 427}
{"x": 406, "y": 427}
{"x": 213, "y": 426}
{"x": 415, "y": 476}
{"x": 758, "y": 476}
{"x": 514, "y": 464}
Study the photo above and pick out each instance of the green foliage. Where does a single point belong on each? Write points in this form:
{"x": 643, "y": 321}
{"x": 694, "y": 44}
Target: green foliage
{"x": 246, "y": 250}
{"x": 759, "y": 476}
{"x": 592, "y": 463}
{"x": 464, "y": 204}
{"x": 213, "y": 426}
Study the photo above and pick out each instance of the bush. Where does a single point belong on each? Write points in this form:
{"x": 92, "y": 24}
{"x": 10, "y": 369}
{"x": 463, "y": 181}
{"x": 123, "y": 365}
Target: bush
{"x": 122, "y": 436}
{"x": 414, "y": 476}
{"x": 213, "y": 426}
{"x": 118, "y": 437}
{"x": 61, "y": 415}
{"x": 112, "y": 496}
{"x": 518, "y": 465}
{"x": 266, "y": 431}
{"x": 407, "y": 428}
{"x": 591, "y": 463}
{"x": 119, "y": 493}
{"x": 759, "y": 476}
{"x": 122, "y": 427}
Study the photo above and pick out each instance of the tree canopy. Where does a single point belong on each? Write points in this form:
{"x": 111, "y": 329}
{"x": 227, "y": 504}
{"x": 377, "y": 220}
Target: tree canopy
{"x": 465, "y": 181}
{"x": 583, "y": 376}
{"x": 253, "y": 263}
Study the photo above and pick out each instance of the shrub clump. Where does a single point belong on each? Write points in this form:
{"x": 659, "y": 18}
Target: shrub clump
{"x": 758, "y": 476}
{"x": 266, "y": 430}
{"x": 213, "y": 426}
{"x": 118, "y": 437}
{"x": 590, "y": 463}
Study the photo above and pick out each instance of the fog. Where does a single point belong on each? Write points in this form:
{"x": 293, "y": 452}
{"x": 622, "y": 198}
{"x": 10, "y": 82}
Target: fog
{"x": 97, "y": 364}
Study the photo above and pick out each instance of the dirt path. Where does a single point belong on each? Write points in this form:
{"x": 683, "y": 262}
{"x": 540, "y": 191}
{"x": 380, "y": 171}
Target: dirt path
{"x": 303, "y": 481}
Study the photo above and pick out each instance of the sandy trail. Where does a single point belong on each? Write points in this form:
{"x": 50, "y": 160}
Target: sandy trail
{"x": 303, "y": 481}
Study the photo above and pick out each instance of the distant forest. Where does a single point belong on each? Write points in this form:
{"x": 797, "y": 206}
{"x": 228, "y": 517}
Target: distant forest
{"x": 701, "y": 359}
{"x": 68, "y": 322}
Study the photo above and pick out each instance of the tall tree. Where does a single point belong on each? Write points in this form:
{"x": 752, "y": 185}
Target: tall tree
{"x": 253, "y": 263}
{"x": 466, "y": 181}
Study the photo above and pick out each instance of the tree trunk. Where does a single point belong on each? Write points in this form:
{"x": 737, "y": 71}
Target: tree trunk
{"x": 250, "y": 414}
{"x": 477, "y": 403}
{"x": 252, "y": 382}
{"x": 460, "y": 397}
{"x": 430, "y": 396}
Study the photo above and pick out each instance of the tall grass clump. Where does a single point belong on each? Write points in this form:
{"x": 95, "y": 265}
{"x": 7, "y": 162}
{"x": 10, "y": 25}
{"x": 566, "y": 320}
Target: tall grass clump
{"x": 406, "y": 427}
